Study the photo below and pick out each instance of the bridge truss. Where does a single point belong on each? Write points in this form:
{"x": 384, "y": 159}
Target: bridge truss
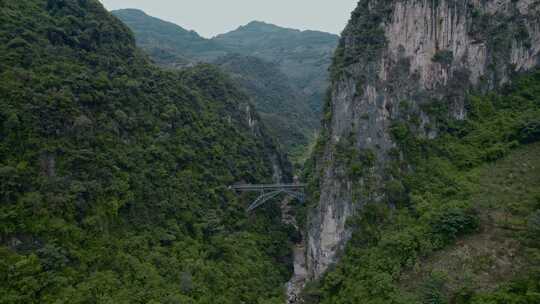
{"x": 270, "y": 191}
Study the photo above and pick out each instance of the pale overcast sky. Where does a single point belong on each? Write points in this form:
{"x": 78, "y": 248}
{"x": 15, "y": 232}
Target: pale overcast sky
{"x": 212, "y": 17}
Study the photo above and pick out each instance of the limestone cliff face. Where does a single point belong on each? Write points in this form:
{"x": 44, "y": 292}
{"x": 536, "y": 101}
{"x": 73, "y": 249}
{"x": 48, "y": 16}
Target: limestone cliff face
{"x": 396, "y": 60}
{"x": 281, "y": 166}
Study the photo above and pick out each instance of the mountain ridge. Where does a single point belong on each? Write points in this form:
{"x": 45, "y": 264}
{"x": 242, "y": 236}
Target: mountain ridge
{"x": 168, "y": 35}
{"x": 259, "y": 24}
{"x": 302, "y": 58}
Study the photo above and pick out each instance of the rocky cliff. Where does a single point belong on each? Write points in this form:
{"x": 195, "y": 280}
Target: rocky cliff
{"x": 405, "y": 62}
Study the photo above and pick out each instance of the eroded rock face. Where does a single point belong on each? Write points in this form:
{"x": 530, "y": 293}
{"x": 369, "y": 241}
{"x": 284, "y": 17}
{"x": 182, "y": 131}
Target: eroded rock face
{"x": 327, "y": 232}
{"x": 395, "y": 60}
{"x": 296, "y": 284}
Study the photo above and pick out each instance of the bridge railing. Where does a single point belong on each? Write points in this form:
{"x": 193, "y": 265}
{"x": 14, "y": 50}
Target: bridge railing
{"x": 267, "y": 187}
{"x": 270, "y": 191}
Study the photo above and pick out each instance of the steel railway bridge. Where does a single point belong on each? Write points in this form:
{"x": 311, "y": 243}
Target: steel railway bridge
{"x": 270, "y": 191}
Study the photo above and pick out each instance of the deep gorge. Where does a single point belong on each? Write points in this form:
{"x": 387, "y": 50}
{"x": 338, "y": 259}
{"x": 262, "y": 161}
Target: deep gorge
{"x": 416, "y": 132}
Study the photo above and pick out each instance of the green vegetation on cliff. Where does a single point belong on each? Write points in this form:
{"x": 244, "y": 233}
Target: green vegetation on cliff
{"x": 462, "y": 226}
{"x": 113, "y": 173}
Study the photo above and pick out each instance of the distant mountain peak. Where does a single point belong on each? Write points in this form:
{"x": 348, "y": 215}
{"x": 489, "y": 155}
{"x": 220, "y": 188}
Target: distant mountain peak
{"x": 132, "y": 11}
{"x": 257, "y": 25}
{"x": 138, "y": 19}
{"x": 283, "y": 69}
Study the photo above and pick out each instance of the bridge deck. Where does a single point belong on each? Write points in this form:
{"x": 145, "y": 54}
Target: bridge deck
{"x": 267, "y": 187}
{"x": 270, "y": 191}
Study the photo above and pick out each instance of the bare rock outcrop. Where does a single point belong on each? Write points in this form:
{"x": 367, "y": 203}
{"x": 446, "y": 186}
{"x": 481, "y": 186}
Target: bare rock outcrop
{"x": 400, "y": 60}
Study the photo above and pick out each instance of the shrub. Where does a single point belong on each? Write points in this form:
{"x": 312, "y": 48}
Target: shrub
{"x": 432, "y": 290}
{"x": 530, "y": 132}
{"x": 454, "y": 220}
{"x": 444, "y": 57}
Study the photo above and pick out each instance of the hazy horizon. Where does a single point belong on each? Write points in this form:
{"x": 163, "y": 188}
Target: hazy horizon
{"x": 210, "y": 18}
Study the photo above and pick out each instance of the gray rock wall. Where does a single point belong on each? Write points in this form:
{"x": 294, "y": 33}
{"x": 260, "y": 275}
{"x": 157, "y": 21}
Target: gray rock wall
{"x": 413, "y": 53}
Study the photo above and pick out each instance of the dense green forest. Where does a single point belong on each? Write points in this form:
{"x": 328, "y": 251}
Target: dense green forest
{"x": 282, "y": 108}
{"x": 304, "y": 56}
{"x": 114, "y": 173}
{"x": 283, "y": 70}
{"x": 464, "y": 225}
{"x": 114, "y": 176}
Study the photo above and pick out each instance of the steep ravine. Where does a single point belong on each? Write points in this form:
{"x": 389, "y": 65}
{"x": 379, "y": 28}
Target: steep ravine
{"x": 294, "y": 287}
{"x": 403, "y": 60}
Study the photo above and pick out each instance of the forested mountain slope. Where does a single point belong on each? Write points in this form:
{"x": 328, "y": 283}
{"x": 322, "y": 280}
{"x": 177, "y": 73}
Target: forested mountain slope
{"x": 282, "y": 107}
{"x": 304, "y": 56}
{"x": 283, "y": 70}
{"x": 425, "y": 97}
{"x": 114, "y": 173}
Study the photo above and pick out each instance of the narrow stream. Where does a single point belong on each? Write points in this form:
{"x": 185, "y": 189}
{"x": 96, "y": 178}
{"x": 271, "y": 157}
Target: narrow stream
{"x": 297, "y": 282}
